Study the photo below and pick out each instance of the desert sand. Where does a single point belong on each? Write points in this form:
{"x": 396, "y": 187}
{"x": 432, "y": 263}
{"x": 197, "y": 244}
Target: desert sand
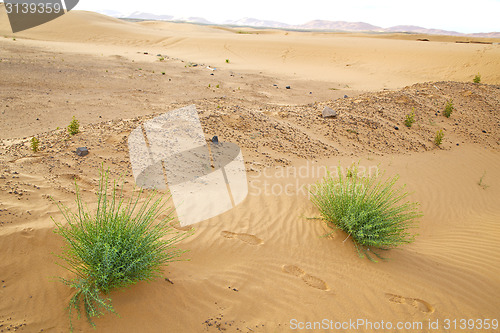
{"x": 266, "y": 262}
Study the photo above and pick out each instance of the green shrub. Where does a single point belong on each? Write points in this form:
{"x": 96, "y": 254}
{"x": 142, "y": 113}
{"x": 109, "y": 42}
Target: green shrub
{"x": 373, "y": 212}
{"x": 227, "y": 61}
{"x": 438, "y": 139}
{"x": 117, "y": 246}
{"x": 34, "y": 144}
{"x": 481, "y": 183}
{"x": 477, "y": 78}
{"x": 410, "y": 118}
{"x": 448, "y": 109}
{"x": 74, "y": 126}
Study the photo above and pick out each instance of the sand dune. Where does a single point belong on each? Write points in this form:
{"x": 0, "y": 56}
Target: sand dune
{"x": 362, "y": 62}
{"x": 266, "y": 262}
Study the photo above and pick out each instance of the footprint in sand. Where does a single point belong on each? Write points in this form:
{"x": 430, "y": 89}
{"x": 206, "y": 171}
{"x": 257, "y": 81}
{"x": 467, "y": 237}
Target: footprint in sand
{"x": 310, "y": 280}
{"x": 418, "y": 304}
{"x": 247, "y": 238}
{"x": 180, "y": 228}
{"x": 27, "y": 232}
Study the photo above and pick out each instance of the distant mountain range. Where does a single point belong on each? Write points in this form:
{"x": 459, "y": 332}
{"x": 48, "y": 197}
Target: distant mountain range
{"x": 317, "y": 25}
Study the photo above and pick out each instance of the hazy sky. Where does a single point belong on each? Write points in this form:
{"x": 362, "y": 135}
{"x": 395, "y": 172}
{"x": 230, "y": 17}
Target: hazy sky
{"x": 458, "y": 15}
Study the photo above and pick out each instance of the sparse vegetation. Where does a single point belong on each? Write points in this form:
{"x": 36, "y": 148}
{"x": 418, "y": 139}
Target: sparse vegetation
{"x": 161, "y": 58}
{"x": 477, "y": 78}
{"x": 352, "y": 131}
{"x": 35, "y": 144}
{"x": 227, "y": 61}
{"x": 448, "y": 109}
{"x": 373, "y": 212}
{"x": 217, "y": 86}
{"x": 410, "y": 118}
{"x": 481, "y": 183}
{"x": 438, "y": 139}
{"x": 162, "y": 73}
{"x": 74, "y": 126}
{"x": 115, "y": 247}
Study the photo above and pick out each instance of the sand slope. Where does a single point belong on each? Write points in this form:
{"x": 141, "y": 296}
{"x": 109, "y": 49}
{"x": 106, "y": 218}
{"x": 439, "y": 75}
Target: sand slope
{"x": 357, "y": 61}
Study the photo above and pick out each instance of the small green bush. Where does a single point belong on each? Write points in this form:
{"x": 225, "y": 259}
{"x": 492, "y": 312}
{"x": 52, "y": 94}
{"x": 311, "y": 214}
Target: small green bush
{"x": 438, "y": 139}
{"x": 217, "y": 86}
{"x": 74, "y": 126}
{"x": 448, "y": 109}
{"x": 35, "y": 144}
{"x": 227, "y": 61}
{"x": 477, "y": 78}
{"x": 481, "y": 182}
{"x": 373, "y": 212}
{"x": 117, "y": 246}
{"x": 410, "y": 118}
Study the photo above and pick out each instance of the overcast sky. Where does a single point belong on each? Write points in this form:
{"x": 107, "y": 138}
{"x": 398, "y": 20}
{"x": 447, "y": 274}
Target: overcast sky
{"x": 457, "y": 15}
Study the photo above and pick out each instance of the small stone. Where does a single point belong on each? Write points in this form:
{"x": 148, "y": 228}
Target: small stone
{"x": 329, "y": 113}
{"x": 396, "y": 128}
{"x": 345, "y": 96}
{"x": 158, "y": 55}
{"x": 82, "y": 151}
{"x": 287, "y": 87}
{"x": 215, "y": 139}
{"x": 483, "y": 131}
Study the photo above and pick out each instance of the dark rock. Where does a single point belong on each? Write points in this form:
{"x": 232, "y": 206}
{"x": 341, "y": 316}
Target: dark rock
{"x": 329, "y": 113}
{"x": 396, "y": 128}
{"x": 215, "y": 139}
{"x": 146, "y": 52}
{"x": 82, "y": 151}
{"x": 483, "y": 131}
{"x": 287, "y": 87}
{"x": 345, "y": 96}
{"x": 158, "y": 55}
